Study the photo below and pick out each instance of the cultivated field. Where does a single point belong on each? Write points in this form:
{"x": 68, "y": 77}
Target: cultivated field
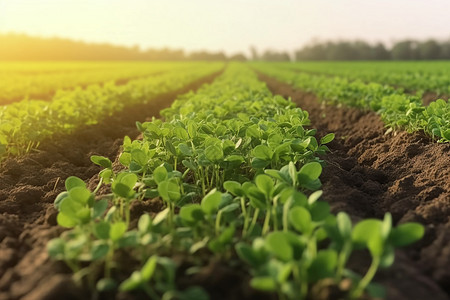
{"x": 225, "y": 181}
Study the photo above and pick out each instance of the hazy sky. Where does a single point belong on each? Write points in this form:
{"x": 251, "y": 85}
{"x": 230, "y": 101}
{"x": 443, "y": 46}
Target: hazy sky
{"x": 231, "y": 25}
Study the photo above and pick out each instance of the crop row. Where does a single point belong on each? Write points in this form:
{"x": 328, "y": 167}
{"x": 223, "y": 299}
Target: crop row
{"x": 238, "y": 173}
{"x": 23, "y": 125}
{"x": 17, "y": 83}
{"x": 415, "y": 77}
{"x": 397, "y": 109}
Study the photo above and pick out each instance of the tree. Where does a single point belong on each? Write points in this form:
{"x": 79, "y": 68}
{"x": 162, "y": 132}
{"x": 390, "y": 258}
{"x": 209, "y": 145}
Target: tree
{"x": 404, "y": 50}
{"x": 429, "y": 50}
{"x": 238, "y": 57}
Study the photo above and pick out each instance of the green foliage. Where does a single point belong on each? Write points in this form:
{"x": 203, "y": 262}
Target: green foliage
{"x": 397, "y": 109}
{"x": 25, "y": 124}
{"x": 240, "y": 177}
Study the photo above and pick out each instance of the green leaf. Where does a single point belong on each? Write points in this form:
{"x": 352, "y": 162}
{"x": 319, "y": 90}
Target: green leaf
{"x": 309, "y": 172}
{"x": 263, "y": 152}
{"x": 149, "y": 268}
{"x": 210, "y": 203}
{"x": 344, "y": 225}
{"x": 263, "y": 283}
{"x": 257, "y": 198}
{"x": 181, "y": 133}
{"x": 132, "y": 283}
{"x": 191, "y": 213}
{"x": 234, "y": 188}
{"x": 368, "y": 233}
{"x": 320, "y": 210}
{"x": 247, "y": 254}
{"x": 130, "y": 240}
{"x": 189, "y": 164}
{"x": 277, "y": 243}
{"x": 161, "y": 216}
{"x": 73, "y": 181}
{"x": 258, "y": 163}
{"x": 160, "y": 174}
{"x": 99, "y": 208}
{"x": 185, "y": 149}
{"x": 99, "y": 250}
{"x": 144, "y": 223}
{"x": 214, "y": 153}
{"x": 117, "y": 230}
{"x": 70, "y": 207}
{"x": 446, "y": 134}
{"x": 129, "y": 180}
{"x": 169, "y": 191}
{"x": 405, "y": 234}
{"x": 388, "y": 257}
{"x": 80, "y": 194}
{"x": 139, "y": 156}
{"x": 61, "y": 196}
{"x": 125, "y": 159}
{"x": 264, "y": 184}
{"x": 314, "y": 197}
{"x": 323, "y": 265}
{"x": 101, "y": 161}
{"x": 122, "y": 190}
{"x": 300, "y": 219}
{"x": 102, "y": 229}
{"x": 106, "y": 175}
{"x": 65, "y": 220}
{"x": 326, "y": 139}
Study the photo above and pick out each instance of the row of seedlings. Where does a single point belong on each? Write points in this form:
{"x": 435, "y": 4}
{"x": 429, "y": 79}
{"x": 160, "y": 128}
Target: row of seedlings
{"x": 238, "y": 173}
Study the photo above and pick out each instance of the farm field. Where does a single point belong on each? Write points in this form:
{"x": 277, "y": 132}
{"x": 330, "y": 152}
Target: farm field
{"x": 432, "y": 77}
{"x": 225, "y": 181}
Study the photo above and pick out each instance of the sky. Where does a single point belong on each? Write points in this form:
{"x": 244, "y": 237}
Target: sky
{"x": 229, "y": 25}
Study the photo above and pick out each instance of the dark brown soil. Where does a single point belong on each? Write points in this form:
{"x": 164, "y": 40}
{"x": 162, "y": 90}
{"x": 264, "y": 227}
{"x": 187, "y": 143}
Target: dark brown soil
{"x": 429, "y": 97}
{"x": 369, "y": 173}
{"x": 29, "y": 185}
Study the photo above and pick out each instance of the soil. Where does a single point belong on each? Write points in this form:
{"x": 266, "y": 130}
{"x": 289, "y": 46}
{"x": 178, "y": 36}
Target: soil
{"x": 29, "y": 185}
{"x": 369, "y": 173}
{"x": 429, "y": 97}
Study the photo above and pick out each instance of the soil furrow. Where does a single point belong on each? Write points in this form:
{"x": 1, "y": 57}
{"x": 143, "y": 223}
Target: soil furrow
{"x": 29, "y": 185}
{"x": 369, "y": 173}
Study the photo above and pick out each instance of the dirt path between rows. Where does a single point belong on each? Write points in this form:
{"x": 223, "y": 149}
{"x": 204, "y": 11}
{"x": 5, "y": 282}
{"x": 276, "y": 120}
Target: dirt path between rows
{"x": 29, "y": 185}
{"x": 369, "y": 173}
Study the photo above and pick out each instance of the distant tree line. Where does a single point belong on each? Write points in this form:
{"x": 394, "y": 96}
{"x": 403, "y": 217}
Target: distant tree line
{"x": 360, "y": 50}
{"x": 24, "y": 47}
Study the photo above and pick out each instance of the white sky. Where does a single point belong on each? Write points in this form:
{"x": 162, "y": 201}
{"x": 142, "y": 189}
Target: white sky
{"x": 230, "y": 25}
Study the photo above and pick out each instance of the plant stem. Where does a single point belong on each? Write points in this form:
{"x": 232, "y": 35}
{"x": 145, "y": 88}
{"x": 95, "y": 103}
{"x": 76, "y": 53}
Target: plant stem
{"x": 357, "y": 292}
{"x": 342, "y": 259}
{"x": 246, "y": 219}
{"x": 217, "y": 227}
{"x": 98, "y": 185}
{"x": 266, "y": 225}
{"x": 286, "y": 207}
{"x": 255, "y": 217}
